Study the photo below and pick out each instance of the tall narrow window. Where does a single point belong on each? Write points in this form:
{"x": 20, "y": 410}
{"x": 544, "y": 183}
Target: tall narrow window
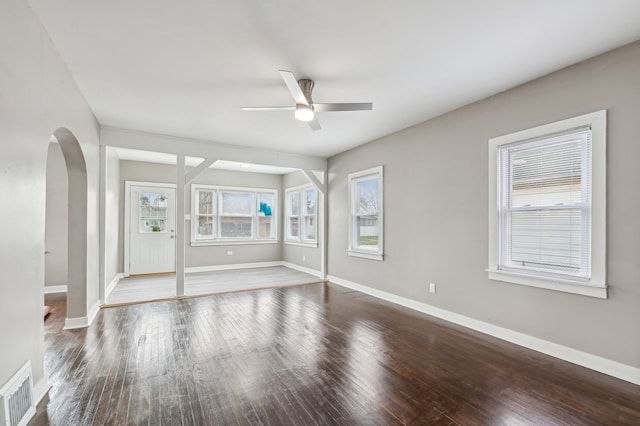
{"x": 302, "y": 216}
{"x": 310, "y": 214}
{"x": 293, "y": 216}
{"x": 266, "y": 207}
{"x": 366, "y": 224}
{"x": 545, "y": 206}
{"x": 204, "y": 220}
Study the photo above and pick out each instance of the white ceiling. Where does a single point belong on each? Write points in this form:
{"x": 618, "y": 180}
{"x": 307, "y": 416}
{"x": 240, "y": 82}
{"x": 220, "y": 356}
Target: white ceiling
{"x": 184, "y": 68}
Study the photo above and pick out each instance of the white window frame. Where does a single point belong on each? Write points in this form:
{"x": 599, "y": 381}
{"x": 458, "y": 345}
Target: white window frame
{"x": 195, "y": 201}
{"x": 300, "y": 192}
{"x": 353, "y": 179}
{"x": 595, "y": 285}
{"x": 217, "y": 238}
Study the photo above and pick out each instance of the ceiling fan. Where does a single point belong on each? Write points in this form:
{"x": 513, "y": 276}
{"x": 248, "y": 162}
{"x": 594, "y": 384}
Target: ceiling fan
{"x": 305, "y": 108}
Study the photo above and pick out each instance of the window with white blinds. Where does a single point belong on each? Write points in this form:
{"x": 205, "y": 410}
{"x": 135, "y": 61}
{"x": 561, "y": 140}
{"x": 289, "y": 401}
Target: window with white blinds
{"x": 547, "y": 206}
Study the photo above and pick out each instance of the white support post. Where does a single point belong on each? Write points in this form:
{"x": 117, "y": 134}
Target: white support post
{"x": 180, "y": 224}
{"x": 321, "y": 186}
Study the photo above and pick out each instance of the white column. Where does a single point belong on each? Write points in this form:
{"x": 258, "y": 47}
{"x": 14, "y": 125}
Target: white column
{"x": 180, "y": 224}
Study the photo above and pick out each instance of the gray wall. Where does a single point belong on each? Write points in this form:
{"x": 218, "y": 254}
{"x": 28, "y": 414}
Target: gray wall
{"x": 38, "y": 97}
{"x": 113, "y": 238}
{"x": 435, "y": 186}
{"x": 55, "y": 265}
{"x": 196, "y": 256}
{"x": 293, "y": 253}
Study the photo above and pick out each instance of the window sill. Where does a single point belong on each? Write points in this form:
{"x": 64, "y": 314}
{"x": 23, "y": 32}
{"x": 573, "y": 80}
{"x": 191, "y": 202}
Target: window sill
{"x": 232, "y": 242}
{"x": 366, "y": 255}
{"x": 566, "y": 286}
{"x": 301, "y": 244}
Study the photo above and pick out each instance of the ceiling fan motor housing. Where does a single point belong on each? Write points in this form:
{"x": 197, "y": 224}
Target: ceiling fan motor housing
{"x": 306, "y": 86}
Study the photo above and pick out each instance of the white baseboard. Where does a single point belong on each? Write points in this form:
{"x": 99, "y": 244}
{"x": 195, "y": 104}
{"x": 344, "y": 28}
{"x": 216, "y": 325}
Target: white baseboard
{"x": 82, "y": 322}
{"x": 112, "y": 285}
{"x": 253, "y": 265}
{"x": 231, "y": 266}
{"x": 93, "y": 312}
{"x": 48, "y": 289}
{"x": 40, "y": 389}
{"x": 77, "y": 322}
{"x": 584, "y": 359}
{"x": 304, "y": 269}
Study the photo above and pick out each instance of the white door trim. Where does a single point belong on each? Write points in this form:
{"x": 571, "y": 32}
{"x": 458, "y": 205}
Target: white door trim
{"x": 127, "y": 213}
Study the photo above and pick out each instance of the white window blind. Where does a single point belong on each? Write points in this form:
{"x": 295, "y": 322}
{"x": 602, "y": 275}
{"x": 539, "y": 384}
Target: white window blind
{"x": 545, "y": 205}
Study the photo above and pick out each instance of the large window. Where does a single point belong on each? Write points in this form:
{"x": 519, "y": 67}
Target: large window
{"x": 548, "y": 192}
{"x": 301, "y": 215}
{"x": 365, "y": 222}
{"x": 223, "y": 215}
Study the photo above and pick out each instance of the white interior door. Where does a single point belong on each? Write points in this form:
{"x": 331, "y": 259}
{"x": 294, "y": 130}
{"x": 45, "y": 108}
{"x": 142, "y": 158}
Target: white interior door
{"x": 152, "y": 244}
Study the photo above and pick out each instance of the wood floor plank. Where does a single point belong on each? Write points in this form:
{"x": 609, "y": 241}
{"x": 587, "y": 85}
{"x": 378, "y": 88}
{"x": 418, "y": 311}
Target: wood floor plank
{"x": 304, "y": 355}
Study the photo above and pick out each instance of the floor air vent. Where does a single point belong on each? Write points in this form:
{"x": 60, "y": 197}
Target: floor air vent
{"x": 16, "y": 398}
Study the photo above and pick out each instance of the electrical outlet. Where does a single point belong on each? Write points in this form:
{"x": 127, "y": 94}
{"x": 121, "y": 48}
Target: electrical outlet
{"x": 432, "y": 288}
{"x": 229, "y": 253}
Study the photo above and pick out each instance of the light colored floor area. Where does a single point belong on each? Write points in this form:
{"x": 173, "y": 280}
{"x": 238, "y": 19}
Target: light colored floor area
{"x": 145, "y": 288}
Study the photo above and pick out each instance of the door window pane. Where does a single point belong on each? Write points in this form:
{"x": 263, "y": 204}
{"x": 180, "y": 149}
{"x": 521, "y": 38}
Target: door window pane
{"x": 152, "y": 212}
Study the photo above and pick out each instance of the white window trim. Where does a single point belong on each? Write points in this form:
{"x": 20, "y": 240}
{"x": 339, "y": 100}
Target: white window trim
{"x": 222, "y": 241}
{"x": 596, "y": 287}
{"x": 299, "y": 241}
{"x": 353, "y": 250}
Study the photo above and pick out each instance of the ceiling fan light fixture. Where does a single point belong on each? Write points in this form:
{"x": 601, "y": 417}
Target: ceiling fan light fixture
{"x": 304, "y": 112}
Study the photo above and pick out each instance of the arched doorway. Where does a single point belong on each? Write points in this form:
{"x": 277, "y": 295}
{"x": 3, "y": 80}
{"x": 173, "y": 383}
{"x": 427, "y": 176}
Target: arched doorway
{"x": 76, "y": 238}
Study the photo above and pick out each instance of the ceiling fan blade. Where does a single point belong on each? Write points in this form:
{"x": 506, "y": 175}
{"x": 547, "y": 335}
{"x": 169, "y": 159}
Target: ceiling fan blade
{"x": 368, "y": 106}
{"x": 294, "y": 89}
{"x": 269, "y": 108}
{"x": 314, "y": 124}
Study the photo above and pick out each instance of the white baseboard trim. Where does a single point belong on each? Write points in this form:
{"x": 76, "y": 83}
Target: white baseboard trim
{"x": 304, "y": 269}
{"x": 584, "y": 359}
{"x": 231, "y": 266}
{"x": 112, "y": 285}
{"x": 82, "y": 322}
{"x": 93, "y": 312}
{"x": 40, "y": 389}
{"x": 48, "y": 289}
{"x": 77, "y": 322}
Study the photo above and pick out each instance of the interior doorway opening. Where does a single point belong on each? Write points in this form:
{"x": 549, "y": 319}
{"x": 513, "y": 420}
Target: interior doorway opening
{"x": 66, "y": 225}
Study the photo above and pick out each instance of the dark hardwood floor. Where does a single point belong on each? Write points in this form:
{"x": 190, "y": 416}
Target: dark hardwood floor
{"x": 313, "y": 354}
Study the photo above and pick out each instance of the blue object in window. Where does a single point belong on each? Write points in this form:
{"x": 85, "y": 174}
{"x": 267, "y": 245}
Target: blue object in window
{"x": 265, "y": 208}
